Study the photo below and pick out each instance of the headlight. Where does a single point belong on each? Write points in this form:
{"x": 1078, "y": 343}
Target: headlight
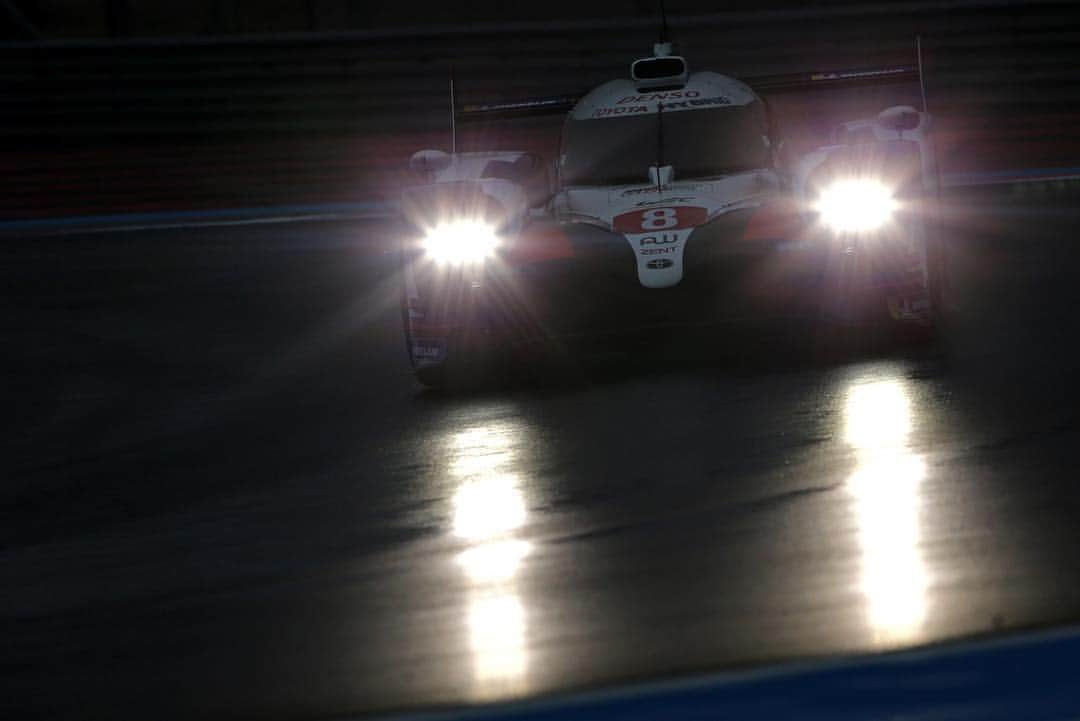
{"x": 856, "y": 206}
{"x": 460, "y": 242}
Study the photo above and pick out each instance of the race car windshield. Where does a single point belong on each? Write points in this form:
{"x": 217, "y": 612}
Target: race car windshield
{"x": 698, "y": 143}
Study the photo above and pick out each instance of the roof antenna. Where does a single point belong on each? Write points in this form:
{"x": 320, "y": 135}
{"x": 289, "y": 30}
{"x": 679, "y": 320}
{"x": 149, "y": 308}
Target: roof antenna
{"x": 453, "y": 115}
{"x": 662, "y": 48}
{"x": 659, "y": 145}
{"x": 922, "y": 81}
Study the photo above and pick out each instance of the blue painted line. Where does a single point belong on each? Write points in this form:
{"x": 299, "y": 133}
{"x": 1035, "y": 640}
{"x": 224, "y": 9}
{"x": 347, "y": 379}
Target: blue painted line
{"x": 1034, "y": 677}
{"x": 205, "y": 217}
{"x": 1010, "y": 176}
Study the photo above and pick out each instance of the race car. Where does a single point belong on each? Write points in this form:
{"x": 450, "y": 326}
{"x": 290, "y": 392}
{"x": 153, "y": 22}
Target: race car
{"x": 671, "y": 203}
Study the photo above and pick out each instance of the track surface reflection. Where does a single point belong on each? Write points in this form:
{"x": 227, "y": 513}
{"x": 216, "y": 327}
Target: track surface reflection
{"x": 260, "y": 515}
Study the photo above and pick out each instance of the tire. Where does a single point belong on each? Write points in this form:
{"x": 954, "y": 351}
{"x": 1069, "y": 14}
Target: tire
{"x": 429, "y": 374}
{"x": 405, "y": 325}
{"x": 933, "y": 282}
{"x": 938, "y": 278}
{"x": 432, "y": 376}
{"x": 462, "y": 370}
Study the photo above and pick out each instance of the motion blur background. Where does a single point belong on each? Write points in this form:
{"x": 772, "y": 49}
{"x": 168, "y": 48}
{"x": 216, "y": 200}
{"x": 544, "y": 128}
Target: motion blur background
{"x": 120, "y": 106}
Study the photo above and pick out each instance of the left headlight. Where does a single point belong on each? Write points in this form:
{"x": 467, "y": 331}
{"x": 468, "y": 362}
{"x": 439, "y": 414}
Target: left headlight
{"x": 461, "y": 242}
{"x": 856, "y": 206}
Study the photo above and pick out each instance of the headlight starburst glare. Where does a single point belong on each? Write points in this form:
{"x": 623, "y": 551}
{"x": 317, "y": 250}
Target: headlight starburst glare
{"x": 461, "y": 242}
{"x": 856, "y": 206}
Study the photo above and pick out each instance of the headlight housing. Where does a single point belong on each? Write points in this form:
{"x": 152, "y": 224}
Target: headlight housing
{"x": 856, "y": 205}
{"x": 461, "y": 242}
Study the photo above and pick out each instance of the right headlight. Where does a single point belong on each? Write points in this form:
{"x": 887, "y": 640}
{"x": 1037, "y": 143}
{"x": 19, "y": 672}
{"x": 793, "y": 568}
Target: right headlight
{"x": 856, "y": 205}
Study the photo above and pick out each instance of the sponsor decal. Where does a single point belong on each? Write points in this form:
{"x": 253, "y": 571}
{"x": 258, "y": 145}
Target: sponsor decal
{"x": 662, "y": 239}
{"x": 677, "y": 100}
{"x": 426, "y": 352}
{"x": 621, "y": 110}
{"x": 704, "y": 188}
{"x": 697, "y": 103}
{"x": 659, "y": 254}
{"x": 673, "y": 95}
{"x": 646, "y": 203}
{"x": 655, "y": 219}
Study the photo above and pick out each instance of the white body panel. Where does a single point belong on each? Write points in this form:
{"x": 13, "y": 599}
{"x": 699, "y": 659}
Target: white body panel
{"x": 665, "y": 217}
{"x": 621, "y": 97}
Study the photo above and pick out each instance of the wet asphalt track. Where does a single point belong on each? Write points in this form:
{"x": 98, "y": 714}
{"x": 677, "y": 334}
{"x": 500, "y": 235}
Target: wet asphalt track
{"x": 225, "y": 497}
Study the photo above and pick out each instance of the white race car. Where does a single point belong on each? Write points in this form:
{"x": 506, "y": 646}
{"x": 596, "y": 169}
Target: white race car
{"x": 670, "y": 205}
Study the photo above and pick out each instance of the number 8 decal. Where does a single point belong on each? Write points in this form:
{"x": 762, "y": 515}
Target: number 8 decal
{"x": 651, "y": 220}
{"x": 659, "y": 219}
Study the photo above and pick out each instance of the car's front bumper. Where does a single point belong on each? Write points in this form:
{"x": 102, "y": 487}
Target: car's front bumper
{"x": 591, "y": 287}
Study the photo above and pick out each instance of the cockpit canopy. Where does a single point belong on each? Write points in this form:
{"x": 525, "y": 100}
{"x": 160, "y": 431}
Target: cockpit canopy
{"x": 713, "y": 126}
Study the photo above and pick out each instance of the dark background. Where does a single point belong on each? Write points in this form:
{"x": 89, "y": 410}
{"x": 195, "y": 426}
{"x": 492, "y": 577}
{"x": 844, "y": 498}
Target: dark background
{"x": 56, "y": 19}
{"x": 185, "y": 110}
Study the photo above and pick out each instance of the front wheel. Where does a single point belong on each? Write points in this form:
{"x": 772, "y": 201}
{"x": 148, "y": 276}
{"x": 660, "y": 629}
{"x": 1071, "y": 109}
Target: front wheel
{"x": 916, "y": 275}
{"x": 445, "y": 338}
{"x": 432, "y": 376}
{"x": 939, "y": 279}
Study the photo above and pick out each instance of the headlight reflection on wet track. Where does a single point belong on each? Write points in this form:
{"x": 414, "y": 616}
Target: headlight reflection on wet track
{"x": 489, "y": 508}
{"x": 886, "y": 487}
